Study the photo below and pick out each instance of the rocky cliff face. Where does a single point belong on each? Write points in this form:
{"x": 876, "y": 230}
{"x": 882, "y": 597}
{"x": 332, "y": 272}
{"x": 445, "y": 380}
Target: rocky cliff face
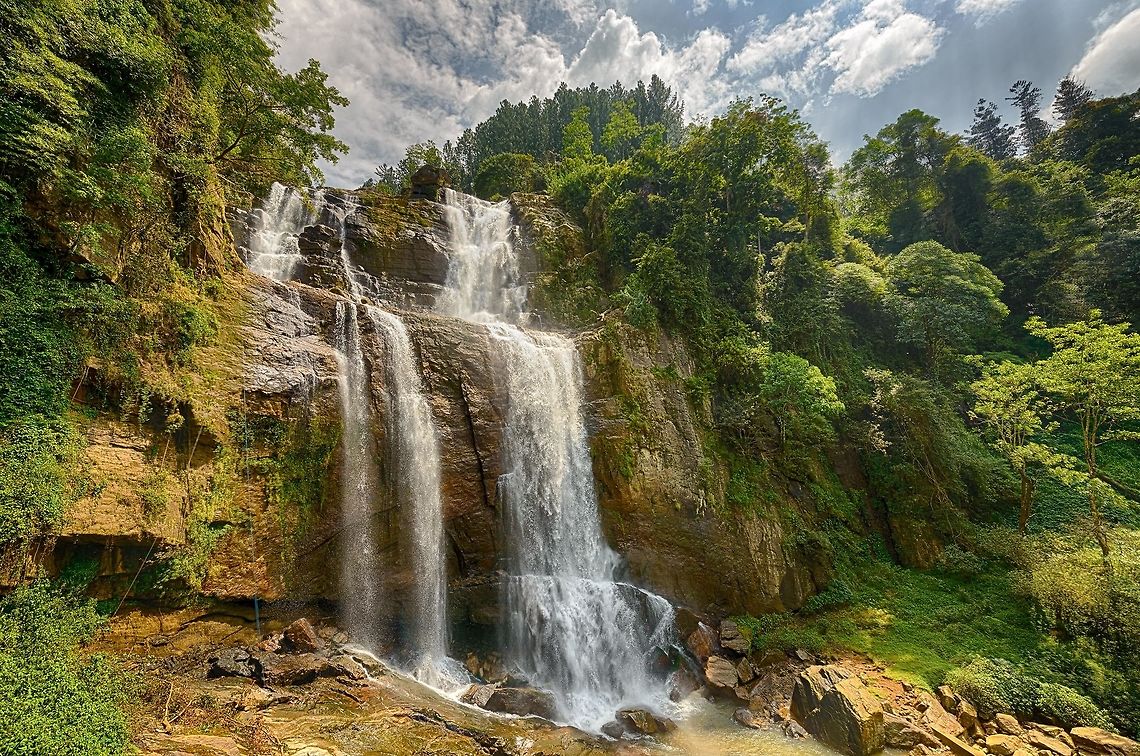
{"x": 271, "y": 526}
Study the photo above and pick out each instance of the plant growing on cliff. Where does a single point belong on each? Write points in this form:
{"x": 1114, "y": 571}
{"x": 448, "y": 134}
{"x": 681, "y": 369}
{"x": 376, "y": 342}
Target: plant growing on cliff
{"x": 1010, "y": 406}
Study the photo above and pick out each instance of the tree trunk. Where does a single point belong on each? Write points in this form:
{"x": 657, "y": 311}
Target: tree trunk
{"x": 1027, "y": 486}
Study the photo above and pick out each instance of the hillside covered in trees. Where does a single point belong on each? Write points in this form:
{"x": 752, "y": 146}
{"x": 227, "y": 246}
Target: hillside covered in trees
{"x": 933, "y": 341}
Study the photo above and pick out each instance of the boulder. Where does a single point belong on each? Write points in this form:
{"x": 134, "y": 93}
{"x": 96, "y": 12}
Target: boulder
{"x": 1003, "y": 745}
{"x": 733, "y": 638}
{"x": 1048, "y": 743}
{"x": 967, "y": 715}
{"x": 947, "y": 697}
{"x": 522, "y": 702}
{"x": 934, "y": 715}
{"x": 720, "y": 672}
{"x": 761, "y": 660}
{"x": 744, "y": 671}
{"x": 746, "y": 718}
{"x": 1007, "y": 724}
{"x": 478, "y": 695}
{"x": 793, "y": 729}
{"x": 1098, "y": 741}
{"x": 702, "y": 642}
{"x": 291, "y": 669}
{"x": 301, "y": 637}
{"x": 233, "y": 662}
{"x": 957, "y": 746}
{"x": 901, "y": 733}
{"x": 613, "y": 729}
{"x": 344, "y": 666}
{"x": 686, "y": 620}
{"x": 644, "y": 721}
{"x": 832, "y": 704}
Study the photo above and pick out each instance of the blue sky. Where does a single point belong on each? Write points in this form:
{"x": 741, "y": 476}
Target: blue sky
{"x": 425, "y": 69}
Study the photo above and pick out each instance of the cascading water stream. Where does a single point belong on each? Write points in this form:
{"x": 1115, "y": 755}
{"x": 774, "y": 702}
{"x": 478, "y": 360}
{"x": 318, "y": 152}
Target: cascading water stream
{"x": 273, "y": 246}
{"x": 571, "y": 627}
{"x": 413, "y": 451}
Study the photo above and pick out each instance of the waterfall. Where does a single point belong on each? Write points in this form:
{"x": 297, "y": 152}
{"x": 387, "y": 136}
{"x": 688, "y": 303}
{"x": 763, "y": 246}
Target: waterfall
{"x": 570, "y": 626}
{"x": 276, "y": 226}
{"x": 415, "y": 454}
{"x": 413, "y": 449}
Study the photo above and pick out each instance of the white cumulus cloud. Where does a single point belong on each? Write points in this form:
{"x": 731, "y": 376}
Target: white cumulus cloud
{"x": 884, "y": 42}
{"x": 984, "y": 10}
{"x": 1111, "y": 63}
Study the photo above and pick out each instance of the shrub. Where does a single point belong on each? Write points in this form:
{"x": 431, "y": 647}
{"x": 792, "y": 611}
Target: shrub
{"x": 55, "y": 700}
{"x": 996, "y": 685}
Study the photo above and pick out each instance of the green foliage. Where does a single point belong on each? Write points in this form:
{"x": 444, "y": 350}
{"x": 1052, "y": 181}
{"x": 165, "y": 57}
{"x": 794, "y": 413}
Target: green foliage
{"x": 945, "y": 302}
{"x": 577, "y": 140}
{"x": 504, "y": 174}
{"x": 54, "y": 699}
{"x": 39, "y": 475}
{"x": 995, "y": 685}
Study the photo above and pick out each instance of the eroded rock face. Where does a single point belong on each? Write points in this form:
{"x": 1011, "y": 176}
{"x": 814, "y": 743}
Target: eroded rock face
{"x": 662, "y": 499}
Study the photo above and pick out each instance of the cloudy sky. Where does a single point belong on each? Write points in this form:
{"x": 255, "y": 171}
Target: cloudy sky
{"x": 425, "y": 69}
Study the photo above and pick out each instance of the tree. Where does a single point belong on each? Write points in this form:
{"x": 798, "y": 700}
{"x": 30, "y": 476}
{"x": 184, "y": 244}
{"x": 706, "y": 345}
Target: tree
{"x": 892, "y": 181}
{"x": 944, "y": 301}
{"x": 621, "y": 131}
{"x": 577, "y": 139}
{"x": 1093, "y": 376}
{"x": 276, "y": 123}
{"x": 1009, "y": 404}
{"x": 505, "y": 174}
{"x": 1032, "y": 129}
{"x": 989, "y": 134}
{"x": 1071, "y": 96}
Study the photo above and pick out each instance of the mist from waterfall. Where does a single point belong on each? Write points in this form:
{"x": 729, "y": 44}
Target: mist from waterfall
{"x": 570, "y": 627}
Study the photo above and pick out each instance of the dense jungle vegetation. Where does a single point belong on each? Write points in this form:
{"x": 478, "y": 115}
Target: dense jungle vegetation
{"x": 125, "y": 129}
{"x": 952, "y": 309}
{"x": 955, "y": 307}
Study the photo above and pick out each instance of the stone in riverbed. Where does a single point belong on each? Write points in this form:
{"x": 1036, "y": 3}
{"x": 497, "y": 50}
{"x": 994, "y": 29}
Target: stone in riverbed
{"x": 519, "y": 701}
{"x": 1003, "y": 745}
{"x": 744, "y": 671}
{"x": 1008, "y": 725}
{"x": 1044, "y": 742}
{"x": 702, "y": 642}
{"x": 900, "y": 733}
{"x": 644, "y": 721}
{"x": 839, "y": 710}
{"x": 292, "y": 669}
{"x": 746, "y": 718}
{"x": 344, "y": 666}
{"x": 300, "y": 636}
{"x": 720, "y": 672}
{"x": 233, "y": 662}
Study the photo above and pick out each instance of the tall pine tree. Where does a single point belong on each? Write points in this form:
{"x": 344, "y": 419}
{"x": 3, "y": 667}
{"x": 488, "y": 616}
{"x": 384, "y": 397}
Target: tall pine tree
{"x": 1027, "y": 98}
{"x": 1071, "y": 95}
{"x": 989, "y": 134}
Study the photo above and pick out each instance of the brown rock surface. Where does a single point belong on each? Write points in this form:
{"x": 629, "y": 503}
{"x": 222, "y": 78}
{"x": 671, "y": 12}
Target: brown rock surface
{"x": 837, "y": 708}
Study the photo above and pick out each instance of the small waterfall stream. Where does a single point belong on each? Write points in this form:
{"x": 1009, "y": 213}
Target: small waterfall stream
{"x": 273, "y": 246}
{"x": 413, "y": 451}
{"x": 570, "y": 626}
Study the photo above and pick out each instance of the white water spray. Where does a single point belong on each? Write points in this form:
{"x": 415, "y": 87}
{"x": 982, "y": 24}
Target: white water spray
{"x": 570, "y": 627}
{"x": 274, "y": 251}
